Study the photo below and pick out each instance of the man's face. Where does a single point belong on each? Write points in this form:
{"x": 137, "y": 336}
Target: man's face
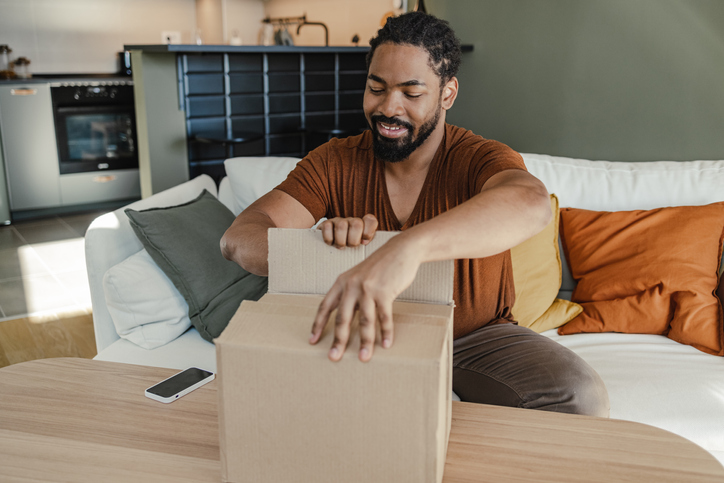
{"x": 402, "y": 101}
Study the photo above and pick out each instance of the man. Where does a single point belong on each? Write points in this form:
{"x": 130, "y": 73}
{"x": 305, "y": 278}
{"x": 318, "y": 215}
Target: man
{"x": 453, "y": 195}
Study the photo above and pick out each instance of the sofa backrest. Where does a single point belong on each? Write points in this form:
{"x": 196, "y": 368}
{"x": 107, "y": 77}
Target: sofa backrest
{"x": 624, "y": 186}
{"x": 578, "y": 183}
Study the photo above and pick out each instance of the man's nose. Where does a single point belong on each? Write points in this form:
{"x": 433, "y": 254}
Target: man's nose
{"x": 392, "y": 105}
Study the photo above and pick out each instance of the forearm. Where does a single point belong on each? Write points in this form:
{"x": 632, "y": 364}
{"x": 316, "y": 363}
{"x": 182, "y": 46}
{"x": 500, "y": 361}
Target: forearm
{"x": 491, "y": 222}
{"x": 246, "y": 242}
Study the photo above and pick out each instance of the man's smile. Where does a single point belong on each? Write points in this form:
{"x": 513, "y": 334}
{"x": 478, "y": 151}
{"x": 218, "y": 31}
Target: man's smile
{"x": 391, "y": 130}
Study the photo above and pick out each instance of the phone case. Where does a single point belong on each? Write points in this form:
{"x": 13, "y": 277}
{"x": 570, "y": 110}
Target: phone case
{"x": 181, "y": 393}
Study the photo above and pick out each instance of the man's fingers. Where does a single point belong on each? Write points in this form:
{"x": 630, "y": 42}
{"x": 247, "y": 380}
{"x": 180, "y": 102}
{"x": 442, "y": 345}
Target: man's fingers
{"x": 329, "y": 303}
{"x": 327, "y": 229}
{"x": 370, "y": 227}
{"x": 384, "y": 314}
{"x": 367, "y": 328}
{"x": 341, "y": 226}
{"x": 342, "y": 323}
{"x": 355, "y": 231}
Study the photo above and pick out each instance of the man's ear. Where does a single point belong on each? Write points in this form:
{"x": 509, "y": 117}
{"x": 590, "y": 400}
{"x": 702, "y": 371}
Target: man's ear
{"x": 449, "y": 93}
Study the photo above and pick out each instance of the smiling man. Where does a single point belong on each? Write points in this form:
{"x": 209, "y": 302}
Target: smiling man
{"x": 453, "y": 195}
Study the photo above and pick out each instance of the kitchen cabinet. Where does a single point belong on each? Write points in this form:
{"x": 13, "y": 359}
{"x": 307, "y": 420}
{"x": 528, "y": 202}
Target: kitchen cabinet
{"x": 4, "y": 200}
{"x": 26, "y": 116}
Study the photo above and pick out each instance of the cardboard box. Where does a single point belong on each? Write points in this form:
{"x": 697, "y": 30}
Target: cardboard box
{"x": 289, "y": 414}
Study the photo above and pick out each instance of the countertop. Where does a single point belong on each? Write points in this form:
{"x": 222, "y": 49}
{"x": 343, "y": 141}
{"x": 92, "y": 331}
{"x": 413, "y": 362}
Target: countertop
{"x": 230, "y": 49}
{"x": 79, "y": 77}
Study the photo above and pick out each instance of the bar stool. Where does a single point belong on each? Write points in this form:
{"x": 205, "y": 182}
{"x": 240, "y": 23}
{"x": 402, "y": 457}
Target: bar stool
{"x": 237, "y": 137}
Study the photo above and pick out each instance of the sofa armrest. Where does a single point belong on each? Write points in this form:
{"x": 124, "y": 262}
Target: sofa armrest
{"x": 110, "y": 240}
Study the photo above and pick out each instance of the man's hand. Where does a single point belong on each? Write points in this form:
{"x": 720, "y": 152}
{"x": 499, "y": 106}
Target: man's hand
{"x": 370, "y": 288}
{"x": 349, "y": 232}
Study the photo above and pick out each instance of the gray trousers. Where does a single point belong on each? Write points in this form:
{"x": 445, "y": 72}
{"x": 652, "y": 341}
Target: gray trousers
{"x": 509, "y": 365}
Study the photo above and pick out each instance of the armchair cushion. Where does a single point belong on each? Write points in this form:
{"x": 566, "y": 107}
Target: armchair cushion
{"x": 183, "y": 240}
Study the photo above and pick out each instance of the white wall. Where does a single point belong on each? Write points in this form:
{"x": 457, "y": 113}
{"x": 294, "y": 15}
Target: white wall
{"x": 69, "y": 36}
{"x": 344, "y": 18}
{"x": 84, "y": 36}
{"x": 245, "y": 17}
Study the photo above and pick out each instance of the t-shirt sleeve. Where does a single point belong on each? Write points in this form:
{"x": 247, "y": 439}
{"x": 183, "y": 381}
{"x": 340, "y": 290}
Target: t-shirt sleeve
{"x": 490, "y": 159}
{"x": 308, "y": 183}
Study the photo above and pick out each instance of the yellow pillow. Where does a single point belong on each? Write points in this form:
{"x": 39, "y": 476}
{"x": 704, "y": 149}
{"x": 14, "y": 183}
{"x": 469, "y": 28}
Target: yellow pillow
{"x": 537, "y": 278}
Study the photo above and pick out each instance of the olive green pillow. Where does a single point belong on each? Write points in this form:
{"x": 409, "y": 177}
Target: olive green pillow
{"x": 183, "y": 240}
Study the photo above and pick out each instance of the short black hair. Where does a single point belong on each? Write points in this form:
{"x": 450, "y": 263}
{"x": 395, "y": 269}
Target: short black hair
{"x": 428, "y": 32}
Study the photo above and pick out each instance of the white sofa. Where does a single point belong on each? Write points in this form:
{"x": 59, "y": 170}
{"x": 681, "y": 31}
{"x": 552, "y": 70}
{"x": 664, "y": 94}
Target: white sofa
{"x": 651, "y": 379}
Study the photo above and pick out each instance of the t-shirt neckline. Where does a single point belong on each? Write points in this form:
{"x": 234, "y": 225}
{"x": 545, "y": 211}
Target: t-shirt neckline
{"x": 425, "y": 185}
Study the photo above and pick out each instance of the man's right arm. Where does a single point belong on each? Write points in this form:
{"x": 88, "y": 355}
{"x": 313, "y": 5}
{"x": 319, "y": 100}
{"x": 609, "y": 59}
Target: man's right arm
{"x": 246, "y": 240}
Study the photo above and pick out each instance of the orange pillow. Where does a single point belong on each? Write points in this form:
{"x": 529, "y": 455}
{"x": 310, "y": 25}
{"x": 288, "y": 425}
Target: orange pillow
{"x": 647, "y": 272}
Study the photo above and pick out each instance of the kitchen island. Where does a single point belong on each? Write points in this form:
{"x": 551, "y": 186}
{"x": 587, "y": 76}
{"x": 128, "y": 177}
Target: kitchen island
{"x": 248, "y": 100}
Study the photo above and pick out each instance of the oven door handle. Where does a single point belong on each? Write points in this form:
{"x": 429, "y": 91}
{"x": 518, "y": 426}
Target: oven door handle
{"x": 97, "y": 109}
{"x": 23, "y": 91}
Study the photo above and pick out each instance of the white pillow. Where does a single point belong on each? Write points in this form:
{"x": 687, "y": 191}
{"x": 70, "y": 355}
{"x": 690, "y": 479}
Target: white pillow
{"x": 144, "y": 305}
{"x": 252, "y": 177}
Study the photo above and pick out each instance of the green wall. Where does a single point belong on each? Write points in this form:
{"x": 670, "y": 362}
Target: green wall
{"x": 627, "y": 80}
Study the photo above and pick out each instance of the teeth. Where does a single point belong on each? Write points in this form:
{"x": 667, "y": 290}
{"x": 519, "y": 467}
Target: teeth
{"x": 391, "y": 128}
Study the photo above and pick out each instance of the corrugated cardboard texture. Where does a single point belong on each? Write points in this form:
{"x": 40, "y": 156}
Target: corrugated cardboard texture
{"x": 288, "y": 414}
{"x": 300, "y": 262}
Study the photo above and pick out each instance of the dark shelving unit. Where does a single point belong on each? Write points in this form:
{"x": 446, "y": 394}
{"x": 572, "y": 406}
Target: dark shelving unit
{"x": 295, "y": 100}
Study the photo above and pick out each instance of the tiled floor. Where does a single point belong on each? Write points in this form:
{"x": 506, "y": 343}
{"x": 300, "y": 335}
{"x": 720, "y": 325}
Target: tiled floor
{"x": 42, "y": 267}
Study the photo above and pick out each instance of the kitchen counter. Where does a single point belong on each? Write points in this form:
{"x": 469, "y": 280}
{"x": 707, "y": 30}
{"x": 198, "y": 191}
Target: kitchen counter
{"x": 47, "y": 78}
{"x": 230, "y": 49}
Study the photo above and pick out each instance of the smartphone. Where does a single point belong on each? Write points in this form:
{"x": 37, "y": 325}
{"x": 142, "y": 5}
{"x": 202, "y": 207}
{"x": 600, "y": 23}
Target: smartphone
{"x": 179, "y": 384}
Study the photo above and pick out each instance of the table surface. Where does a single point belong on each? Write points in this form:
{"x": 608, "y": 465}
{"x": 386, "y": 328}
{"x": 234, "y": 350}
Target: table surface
{"x": 82, "y": 420}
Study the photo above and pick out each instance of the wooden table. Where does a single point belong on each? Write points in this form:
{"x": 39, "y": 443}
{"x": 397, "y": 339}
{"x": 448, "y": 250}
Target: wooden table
{"x": 82, "y": 420}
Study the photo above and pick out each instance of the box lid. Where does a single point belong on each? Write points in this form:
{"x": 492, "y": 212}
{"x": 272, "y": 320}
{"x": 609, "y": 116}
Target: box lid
{"x": 301, "y": 263}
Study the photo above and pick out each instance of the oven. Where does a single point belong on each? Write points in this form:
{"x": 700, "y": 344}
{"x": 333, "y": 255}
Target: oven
{"x": 95, "y": 125}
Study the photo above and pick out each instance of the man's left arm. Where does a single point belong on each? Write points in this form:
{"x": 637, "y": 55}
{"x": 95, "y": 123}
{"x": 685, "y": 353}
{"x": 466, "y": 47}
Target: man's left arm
{"x": 511, "y": 207}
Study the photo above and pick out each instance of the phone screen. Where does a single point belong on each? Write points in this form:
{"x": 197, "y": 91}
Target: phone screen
{"x": 179, "y": 382}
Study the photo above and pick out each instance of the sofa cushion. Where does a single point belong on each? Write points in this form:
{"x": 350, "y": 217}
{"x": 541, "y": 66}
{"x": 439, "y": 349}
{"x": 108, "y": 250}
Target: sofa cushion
{"x": 651, "y": 272}
{"x": 145, "y": 306}
{"x": 654, "y": 380}
{"x": 183, "y": 240}
{"x": 187, "y": 350}
{"x": 537, "y": 277}
{"x": 251, "y": 177}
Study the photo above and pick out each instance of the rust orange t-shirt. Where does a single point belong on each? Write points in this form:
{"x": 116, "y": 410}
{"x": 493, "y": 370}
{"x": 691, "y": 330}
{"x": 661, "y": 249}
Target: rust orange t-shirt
{"x": 343, "y": 178}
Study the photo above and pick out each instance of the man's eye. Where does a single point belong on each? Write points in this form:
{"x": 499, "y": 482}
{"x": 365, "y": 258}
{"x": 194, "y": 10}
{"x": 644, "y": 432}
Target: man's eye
{"x": 413, "y": 95}
{"x": 374, "y": 90}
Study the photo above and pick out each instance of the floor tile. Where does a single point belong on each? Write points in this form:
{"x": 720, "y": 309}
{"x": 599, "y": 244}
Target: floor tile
{"x": 62, "y": 255}
{"x": 20, "y": 262}
{"x": 38, "y": 293}
{"x": 45, "y": 231}
{"x": 76, "y": 284}
{"x": 80, "y": 223}
{"x": 9, "y": 237}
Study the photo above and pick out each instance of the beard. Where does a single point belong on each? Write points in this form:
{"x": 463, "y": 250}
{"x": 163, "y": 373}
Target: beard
{"x": 399, "y": 149}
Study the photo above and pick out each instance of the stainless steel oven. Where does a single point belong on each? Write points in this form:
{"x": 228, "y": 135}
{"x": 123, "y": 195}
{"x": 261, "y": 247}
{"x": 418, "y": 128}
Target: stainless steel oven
{"x": 95, "y": 126}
